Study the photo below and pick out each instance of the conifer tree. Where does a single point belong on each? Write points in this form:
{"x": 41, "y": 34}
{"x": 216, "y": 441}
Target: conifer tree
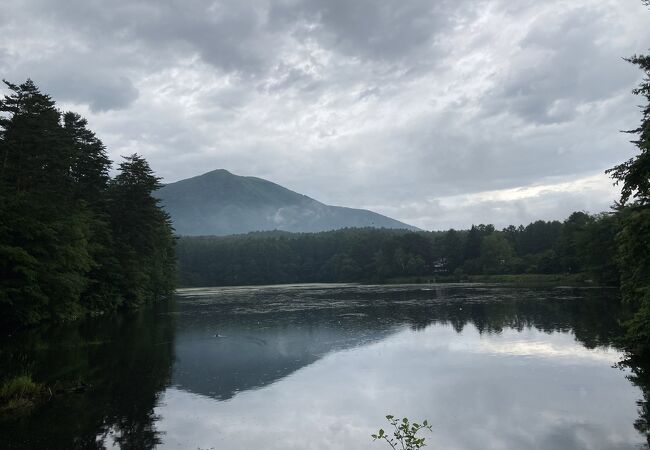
{"x": 90, "y": 174}
{"x": 634, "y": 238}
{"x": 634, "y": 174}
{"x": 90, "y": 165}
{"x": 72, "y": 241}
{"x": 143, "y": 233}
{"x": 43, "y": 229}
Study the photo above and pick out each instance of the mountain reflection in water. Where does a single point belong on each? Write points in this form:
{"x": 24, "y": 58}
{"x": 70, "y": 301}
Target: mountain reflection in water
{"x": 271, "y": 367}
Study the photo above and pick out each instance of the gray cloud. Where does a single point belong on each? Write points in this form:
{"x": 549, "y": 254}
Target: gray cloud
{"x": 561, "y": 68}
{"x": 367, "y": 104}
{"x": 389, "y": 31}
{"x": 554, "y": 201}
{"x": 102, "y": 93}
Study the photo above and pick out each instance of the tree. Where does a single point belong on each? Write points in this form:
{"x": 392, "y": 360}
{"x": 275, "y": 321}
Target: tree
{"x": 634, "y": 237}
{"x": 90, "y": 166}
{"x": 568, "y": 244}
{"x": 496, "y": 254}
{"x": 634, "y": 174}
{"x": 142, "y": 233}
{"x": 44, "y": 230}
{"x": 597, "y": 248}
{"x": 90, "y": 174}
{"x": 72, "y": 241}
{"x": 451, "y": 250}
{"x": 474, "y": 239}
{"x": 35, "y": 154}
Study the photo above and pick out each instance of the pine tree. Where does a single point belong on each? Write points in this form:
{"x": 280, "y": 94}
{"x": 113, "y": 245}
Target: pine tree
{"x": 90, "y": 173}
{"x": 90, "y": 165}
{"x": 143, "y": 233}
{"x": 43, "y": 229}
{"x": 72, "y": 241}
{"x": 634, "y": 238}
{"x": 634, "y": 174}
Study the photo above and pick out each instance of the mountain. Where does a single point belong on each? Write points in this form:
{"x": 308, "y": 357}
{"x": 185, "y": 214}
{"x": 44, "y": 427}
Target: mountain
{"x": 221, "y": 203}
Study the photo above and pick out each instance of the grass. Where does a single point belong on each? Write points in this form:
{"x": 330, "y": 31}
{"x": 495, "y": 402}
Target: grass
{"x": 19, "y": 392}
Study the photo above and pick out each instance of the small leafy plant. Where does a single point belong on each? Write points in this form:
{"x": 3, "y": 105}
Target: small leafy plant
{"x": 405, "y": 434}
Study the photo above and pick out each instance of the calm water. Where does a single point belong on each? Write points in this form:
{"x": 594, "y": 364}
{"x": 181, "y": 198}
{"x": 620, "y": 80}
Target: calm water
{"x": 318, "y": 367}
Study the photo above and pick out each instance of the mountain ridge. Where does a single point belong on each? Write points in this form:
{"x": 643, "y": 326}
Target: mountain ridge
{"x": 222, "y": 203}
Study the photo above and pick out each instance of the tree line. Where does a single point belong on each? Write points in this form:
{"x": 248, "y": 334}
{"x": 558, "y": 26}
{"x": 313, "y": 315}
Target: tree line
{"x": 581, "y": 244}
{"x": 73, "y": 240}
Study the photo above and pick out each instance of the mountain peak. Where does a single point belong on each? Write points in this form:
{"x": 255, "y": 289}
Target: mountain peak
{"x": 220, "y": 203}
{"x": 216, "y": 172}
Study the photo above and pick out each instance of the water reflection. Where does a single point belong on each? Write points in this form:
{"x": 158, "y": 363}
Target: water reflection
{"x": 230, "y": 340}
{"x": 319, "y": 367}
{"x": 475, "y": 398}
{"x": 126, "y": 362}
{"x": 640, "y": 376}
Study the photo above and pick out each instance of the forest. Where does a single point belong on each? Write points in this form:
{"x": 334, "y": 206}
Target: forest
{"x": 582, "y": 244}
{"x": 74, "y": 241}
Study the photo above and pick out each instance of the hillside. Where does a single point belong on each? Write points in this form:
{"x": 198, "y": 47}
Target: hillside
{"x": 221, "y": 203}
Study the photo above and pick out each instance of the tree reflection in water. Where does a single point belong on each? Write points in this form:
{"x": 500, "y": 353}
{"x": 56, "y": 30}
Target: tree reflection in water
{"x": 269, "y": 333}
{"x": 124, "y": 360}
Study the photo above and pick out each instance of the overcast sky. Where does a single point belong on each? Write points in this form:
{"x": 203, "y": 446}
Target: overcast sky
{"x": 440, "y": 113}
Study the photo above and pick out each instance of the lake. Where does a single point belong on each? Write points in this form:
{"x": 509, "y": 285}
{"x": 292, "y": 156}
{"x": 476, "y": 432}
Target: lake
{"x": 319, "y": 366}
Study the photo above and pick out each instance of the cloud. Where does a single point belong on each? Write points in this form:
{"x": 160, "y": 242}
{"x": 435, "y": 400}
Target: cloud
{"x": 364, "y": 104}
{"x": 100, "y": 92}
{"x": 387, "y": 31}
{"x": 559, "y": 68}
{"x": 451, "y": 392}
{"x": 515, "y": 206}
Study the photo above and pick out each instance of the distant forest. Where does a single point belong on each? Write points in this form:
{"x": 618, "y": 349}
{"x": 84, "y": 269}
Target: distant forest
{"x": 73, "y": 240}
{"x": 581, "y": 244}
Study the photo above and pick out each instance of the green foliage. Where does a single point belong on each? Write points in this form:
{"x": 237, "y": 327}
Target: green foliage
{"x": 475, "y": 238}
{"x": 496, "y": 254}
{"x": 582, "y": 244}
{"x": 19, "y": 392}
{"x": 597, "y": 247}
{"x": 64, "y": 240}
{"x": 634, "y": 238}
{"x": 18, "y": 387}
{"x": 634, "y": 261}
{"x": 142, "y": 233}
{"x": 634, "y": 174}
{"x": 404, "y": 435}
{"x": 569, "y": 252}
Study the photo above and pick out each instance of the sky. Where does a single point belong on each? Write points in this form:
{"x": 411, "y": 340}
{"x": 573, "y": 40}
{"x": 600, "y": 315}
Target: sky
{"x": 438, "y": 113}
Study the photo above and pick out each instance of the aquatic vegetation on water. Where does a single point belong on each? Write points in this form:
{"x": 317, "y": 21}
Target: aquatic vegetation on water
{"x": 19, "y": 392}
